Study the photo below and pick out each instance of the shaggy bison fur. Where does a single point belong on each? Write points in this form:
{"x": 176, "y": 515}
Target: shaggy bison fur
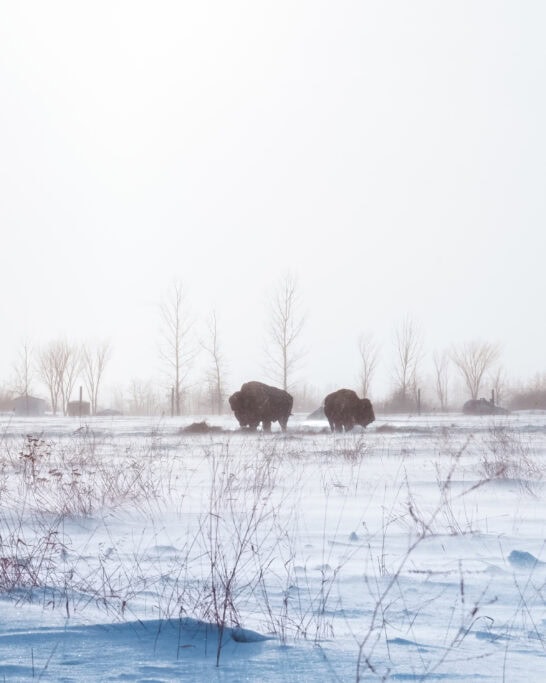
{"x": 257, "y": 402}
{"x": 344, "y": 409}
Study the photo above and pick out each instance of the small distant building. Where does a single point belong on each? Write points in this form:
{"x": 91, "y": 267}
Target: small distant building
{"x": 29, "y": 406}
{"x": 79, "y": 408}
{"x": 481, "y": 406}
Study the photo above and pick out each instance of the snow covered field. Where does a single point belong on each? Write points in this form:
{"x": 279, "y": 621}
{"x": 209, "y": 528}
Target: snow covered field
{"x": 413, "y": 550}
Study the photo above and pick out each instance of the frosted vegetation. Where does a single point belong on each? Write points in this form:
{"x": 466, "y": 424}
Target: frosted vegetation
{"x": 413, "y": 550}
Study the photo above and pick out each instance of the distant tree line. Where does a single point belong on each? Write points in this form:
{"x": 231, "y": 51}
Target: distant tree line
{"x": 58, "y": 367}
{"x": 467, "y": 370}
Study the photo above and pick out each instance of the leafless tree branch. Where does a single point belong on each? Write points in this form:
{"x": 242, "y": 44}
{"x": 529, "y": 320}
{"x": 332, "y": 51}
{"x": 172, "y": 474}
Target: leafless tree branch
{"x": 175, "y": 351}
{"x": 441, "y": 377}
{"x": 408, "y": 346}
{"x": 473, "y": 359}
{"x": 216, "y": 370}
{"x": 94, "y": 360}
{"x": 284, "y": 331}
{"x": 368, "y": 353}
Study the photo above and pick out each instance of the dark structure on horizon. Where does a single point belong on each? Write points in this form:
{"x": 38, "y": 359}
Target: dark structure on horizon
{"x": 79, "y": 408}
{"x": 29, "y": 406}
{"x": 481, "y": 406}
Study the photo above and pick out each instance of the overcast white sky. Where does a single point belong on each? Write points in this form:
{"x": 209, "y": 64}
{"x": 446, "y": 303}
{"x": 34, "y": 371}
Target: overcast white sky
{"x": 392, "y": 154}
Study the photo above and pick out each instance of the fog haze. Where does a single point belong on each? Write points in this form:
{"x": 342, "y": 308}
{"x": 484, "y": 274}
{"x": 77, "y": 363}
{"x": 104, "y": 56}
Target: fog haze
{"x": 391, "y": 154}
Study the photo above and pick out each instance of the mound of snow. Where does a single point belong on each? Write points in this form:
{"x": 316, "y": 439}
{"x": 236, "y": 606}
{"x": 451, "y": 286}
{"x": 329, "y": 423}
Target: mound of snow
{"x": 523, "y": 560}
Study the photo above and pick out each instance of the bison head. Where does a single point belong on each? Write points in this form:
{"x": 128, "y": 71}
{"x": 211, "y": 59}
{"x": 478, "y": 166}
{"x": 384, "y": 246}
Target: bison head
{"x": 365, "y": 414}
{"x": 239, "y": 403}
{"x": 235, "y": 400}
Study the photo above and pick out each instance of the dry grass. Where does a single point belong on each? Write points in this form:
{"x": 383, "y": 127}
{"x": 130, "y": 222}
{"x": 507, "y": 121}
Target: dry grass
{"x": 242, "y": 554}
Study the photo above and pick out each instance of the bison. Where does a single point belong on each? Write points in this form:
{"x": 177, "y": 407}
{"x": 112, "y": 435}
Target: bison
{"x": 344, "y": 409}
{"x": 257, "y": 402}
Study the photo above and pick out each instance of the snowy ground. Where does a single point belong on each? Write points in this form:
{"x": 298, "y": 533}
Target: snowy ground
{"x": 413, "y": 550}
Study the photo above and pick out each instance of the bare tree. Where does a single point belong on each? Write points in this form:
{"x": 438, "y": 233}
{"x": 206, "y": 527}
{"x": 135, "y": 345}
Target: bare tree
{"x": 47, "y": 370}
{"x": 441, "y": 377}
{"x": 216, "y": 369}
{"x": 94, "y": 360}
{"x": 68, "y": 370}
{"x": 117, "y": 398}
{"x": 499, "y": 384}
{"x": 473, "y": 359}
{"x": 368, "y": 352}
{"x": 307, "y": 396}
{"x": 143, "y": 398}
{"x": 58, "y": 366}
{"x": 175, "y": 351}
{"x": 408, "y": 346}
{"x": 285, "y": 327}
{"x": 23, "y": 369}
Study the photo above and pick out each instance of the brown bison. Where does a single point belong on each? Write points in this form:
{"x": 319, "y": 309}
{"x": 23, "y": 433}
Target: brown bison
{"x": 257, "y": 402}
{"x": 344, "y": 409}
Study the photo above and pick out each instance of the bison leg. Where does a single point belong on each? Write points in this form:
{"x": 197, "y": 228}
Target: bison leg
{"x": 253, "y": 426}
{"x": 266, "y": 425}
{"x": 349, "y": 424}
{"x": 283, "y": 421}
